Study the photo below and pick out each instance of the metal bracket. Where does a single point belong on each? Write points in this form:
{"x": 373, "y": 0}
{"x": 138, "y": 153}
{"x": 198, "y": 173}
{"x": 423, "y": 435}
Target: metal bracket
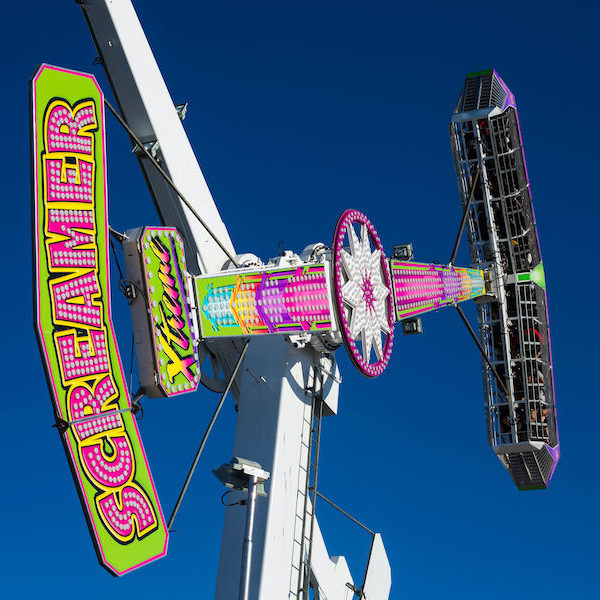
{"x": 412, "y": 326}
{"x": 61, "y": 425}
{"x": 299, "y": 340}
{"x": 128, "y": 289}
{"x": 403, "y": 252}
{"x": 152, "y": 147}
{"x": 356, "y": 590}
{"x": 181, "y": 110}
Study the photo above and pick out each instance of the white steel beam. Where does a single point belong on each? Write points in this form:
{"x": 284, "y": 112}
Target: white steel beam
{"x": 146, "y": 105}
{"x": 272, "y": 429}
{"x": 274, "y": 408}
{"x": 331, "y": 574}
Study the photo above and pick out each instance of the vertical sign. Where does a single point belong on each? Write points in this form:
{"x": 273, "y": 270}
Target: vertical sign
{"x": 73, "y": 322}
{"x": 164, "y": 318}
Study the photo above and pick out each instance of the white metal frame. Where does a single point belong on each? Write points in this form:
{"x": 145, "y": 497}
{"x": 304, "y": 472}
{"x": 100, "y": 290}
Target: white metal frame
{"x": 273, "y": 404}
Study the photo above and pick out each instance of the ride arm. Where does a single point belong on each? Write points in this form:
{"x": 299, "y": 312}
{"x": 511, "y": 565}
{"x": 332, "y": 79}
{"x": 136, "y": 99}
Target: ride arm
{"x": 149, "y": 112}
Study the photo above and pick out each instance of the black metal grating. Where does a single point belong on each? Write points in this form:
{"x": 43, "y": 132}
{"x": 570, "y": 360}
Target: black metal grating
{"x": 470, "y": 95}
{"x": 498, "y": 93}
{"x": 524, "y": 469}
{"x": 481, "y": 91}
{"x": 545, "y": 461}
{"x": 485, "y": 89}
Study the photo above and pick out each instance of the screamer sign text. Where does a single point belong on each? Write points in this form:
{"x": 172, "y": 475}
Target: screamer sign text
{"x": 73, "y": 322}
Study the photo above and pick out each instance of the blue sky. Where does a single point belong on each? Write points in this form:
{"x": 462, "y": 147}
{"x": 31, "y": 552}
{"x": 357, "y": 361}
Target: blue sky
{"x": 297, "y": 113}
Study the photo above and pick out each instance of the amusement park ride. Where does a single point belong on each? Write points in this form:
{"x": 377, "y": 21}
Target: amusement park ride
{"x": 203, "y": 314}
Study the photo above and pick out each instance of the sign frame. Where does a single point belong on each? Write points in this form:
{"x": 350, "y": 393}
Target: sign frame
{"x": 72, "y": 318}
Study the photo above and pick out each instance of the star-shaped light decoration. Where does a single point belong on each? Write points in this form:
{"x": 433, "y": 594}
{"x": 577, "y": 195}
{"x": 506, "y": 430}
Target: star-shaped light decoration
{"x": 363, "y": 291}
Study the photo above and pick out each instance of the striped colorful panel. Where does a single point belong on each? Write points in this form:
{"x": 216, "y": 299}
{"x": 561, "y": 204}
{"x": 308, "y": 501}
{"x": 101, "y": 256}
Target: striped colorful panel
{"x": 276, "y": 300}
{"x": 472, "y": 284}
{"x": 421, "y": 287}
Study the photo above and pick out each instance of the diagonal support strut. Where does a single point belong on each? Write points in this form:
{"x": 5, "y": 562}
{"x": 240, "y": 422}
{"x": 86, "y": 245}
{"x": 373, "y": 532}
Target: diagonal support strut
{"x": 464, "y": 217}
{"x": 166, "y": 177}
{"x": 206, "y": 434}
{"x": 482, "y": 351}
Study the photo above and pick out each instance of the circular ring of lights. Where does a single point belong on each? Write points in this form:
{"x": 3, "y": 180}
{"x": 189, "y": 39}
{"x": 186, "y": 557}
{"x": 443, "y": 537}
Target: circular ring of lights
{"x": 363, "y": 293}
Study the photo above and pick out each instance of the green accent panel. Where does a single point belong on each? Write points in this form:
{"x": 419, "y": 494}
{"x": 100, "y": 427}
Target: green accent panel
{"x": 479, "y": 73}
{"x": 539, "y": 276}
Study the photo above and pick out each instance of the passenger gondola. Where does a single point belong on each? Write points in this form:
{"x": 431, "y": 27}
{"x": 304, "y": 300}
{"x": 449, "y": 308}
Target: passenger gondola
{"x": 513, "y": 315}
